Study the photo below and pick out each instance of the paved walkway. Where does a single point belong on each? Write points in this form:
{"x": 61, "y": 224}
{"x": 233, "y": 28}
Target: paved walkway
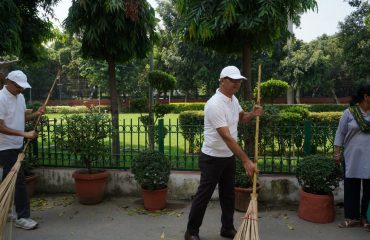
{"x": 63, "y": 218}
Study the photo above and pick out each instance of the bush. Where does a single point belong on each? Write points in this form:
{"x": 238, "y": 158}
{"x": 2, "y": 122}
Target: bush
{"x": 192, "y": 125}
{"x": 328, "y": 107}
{"x": 151, "y": 170}
{"x": 272, "y": 89}
{"x": 181, "y": 107}
{"x": 84, "y": 136}
{"x": 318, "y": 174}
{"x": 74, "y": 109}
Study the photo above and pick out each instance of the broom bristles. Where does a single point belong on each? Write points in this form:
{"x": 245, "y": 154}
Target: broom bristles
{"x": 7, "y": 195}
{"x": 248, "y": 230}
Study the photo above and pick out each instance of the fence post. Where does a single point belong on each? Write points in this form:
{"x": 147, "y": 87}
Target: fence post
{"x": 307, "y": 138}
{"x": 161, "y": 135}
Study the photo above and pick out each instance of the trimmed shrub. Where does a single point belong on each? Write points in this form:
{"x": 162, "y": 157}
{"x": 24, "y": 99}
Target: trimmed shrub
{"x": 192, "y": 126}
{"x": 181, "y": 107}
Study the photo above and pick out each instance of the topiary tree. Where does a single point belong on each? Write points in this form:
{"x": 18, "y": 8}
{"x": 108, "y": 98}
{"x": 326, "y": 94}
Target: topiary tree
{"x": 192, "y": 126}
{"x": 161, "y": 81}
{"x": 272, "y": 89}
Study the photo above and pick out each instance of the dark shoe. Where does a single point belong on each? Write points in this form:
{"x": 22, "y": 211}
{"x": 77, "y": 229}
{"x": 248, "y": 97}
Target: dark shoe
{"x": 228, "y": 233}
{"x": 191, "y": 237}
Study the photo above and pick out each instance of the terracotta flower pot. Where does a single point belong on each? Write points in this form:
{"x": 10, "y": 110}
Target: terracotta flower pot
{"x": 316, "y": 208}
{"x": 31, "y": 181}
{"x": 242, "y": 197}
{"x": 90, "y": 188}
{"x": 155, "y": 199}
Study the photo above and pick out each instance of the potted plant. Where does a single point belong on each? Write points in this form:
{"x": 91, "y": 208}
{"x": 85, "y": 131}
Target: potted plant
{"x": 243, "y": 187}
{"x": 318, "y": 175}
{"x": 151, "y": 170}
{"x": 85, "y": 136}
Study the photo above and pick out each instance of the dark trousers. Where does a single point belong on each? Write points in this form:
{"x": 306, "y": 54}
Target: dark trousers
{"x": 214, "y": 170}
{"x": 21, "y": 200}
{"x": 352, "y": 192}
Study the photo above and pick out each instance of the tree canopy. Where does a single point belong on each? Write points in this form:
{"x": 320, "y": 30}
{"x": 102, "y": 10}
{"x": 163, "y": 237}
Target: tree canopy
{"x": 239, "y": 26}
{"x": 24, "y": 28}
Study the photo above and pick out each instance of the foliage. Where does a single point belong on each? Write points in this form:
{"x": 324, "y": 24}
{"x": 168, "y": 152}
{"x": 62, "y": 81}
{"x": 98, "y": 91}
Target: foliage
{"x": 272, "y": 89}
{"x": 302, "y": 111}
{"x": 192, "y": 126}
{"x": 318, "y": 174}
{"x": 181, "y": 107}
{"x": 114, "y": 32}
{"x": 161, "y": 81}
{"x": 178, "y": 57}
{"x": 354, "y": 37}
{"x": 25, "y": 26}
{"x": 139, "y": 105}
{"x": 239, "y": 26}
{"x": 75, "y": 109}
{"x": 328, "y": 107}
{"x": 151, "y": 170}
{"x": 84, "y": 135}
{"x": 241, "y": 178}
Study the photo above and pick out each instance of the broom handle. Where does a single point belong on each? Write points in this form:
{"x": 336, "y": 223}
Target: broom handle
{"x": 257, "y": 130}
{"x": 39, "y": 116}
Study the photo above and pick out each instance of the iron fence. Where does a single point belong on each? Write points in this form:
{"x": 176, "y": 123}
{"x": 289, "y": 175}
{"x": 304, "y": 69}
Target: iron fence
{"x": 281, "y": 147}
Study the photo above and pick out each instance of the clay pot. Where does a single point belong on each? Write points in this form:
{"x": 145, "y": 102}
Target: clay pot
{"x": 31, "y": 181}
{"x": 242, "y": 197}
{"x": 155, "y": 199}
{"x": 316, "y": 208}
{"x": 90, "y": 188}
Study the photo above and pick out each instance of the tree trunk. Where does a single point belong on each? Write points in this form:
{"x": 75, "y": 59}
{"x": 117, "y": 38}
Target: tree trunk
{"x": 114, "y": 108}
{"x": 290, "y": 95}
{"x": 298, "y": 95}
{"x": 335, "y": 96}
{"x": 246, "y": 87}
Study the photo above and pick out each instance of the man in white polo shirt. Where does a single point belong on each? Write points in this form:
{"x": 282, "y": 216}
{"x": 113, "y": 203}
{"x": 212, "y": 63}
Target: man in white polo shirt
{"x": 222, "y": 113}
{"x": 12, "y": 133}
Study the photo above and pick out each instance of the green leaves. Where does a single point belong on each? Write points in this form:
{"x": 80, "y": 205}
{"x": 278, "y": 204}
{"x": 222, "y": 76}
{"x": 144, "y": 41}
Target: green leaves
{"x": 84, "y": 135}
{"x": 151, "y": 170}
{"x": 260, "y": 22}
{"x": 318, "y": 174}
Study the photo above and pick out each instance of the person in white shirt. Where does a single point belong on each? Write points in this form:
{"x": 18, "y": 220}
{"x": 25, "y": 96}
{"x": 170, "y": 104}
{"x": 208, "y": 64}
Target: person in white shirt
{"x": 222, "y": 113}
{"x": 12, "y": 133}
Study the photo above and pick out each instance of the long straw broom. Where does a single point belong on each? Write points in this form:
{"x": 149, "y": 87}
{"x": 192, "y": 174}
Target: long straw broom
{"x": 248, "y": 230}
{"x": 7, "y": 187}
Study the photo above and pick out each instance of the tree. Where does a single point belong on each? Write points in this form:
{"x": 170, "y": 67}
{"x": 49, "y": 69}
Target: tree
{"x": 113, "y": 31}
{"x": 196, "y": 68}
{"x": 239, "y": 26}
{"x": 354, "y": 38}
{"x": 161, "y": 81}
{"x": 24, "y": 28}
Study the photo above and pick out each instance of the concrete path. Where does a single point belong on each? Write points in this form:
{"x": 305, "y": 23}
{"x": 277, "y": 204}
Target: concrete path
{"x": 61, "y": 217}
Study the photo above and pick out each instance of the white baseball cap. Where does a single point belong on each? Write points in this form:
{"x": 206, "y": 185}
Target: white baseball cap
{"x": 231, "y": 72}
{"x": 19, "y": 78}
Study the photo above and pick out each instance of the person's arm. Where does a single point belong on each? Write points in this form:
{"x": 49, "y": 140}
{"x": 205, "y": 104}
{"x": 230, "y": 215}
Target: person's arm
{"x": 9, "y": 131}
{"x": 340, "y": 135}
{"x": 32, "y": 116}
{"x": 245, "y": 117}
{"x": 249, "y": 166}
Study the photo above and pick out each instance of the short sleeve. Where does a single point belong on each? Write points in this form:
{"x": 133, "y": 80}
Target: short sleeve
{"x": 215, "y": 116}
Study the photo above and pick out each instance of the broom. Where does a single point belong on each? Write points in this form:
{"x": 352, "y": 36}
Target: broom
{"x": 7, "y": 187}
{"x": 248, "y": 230}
